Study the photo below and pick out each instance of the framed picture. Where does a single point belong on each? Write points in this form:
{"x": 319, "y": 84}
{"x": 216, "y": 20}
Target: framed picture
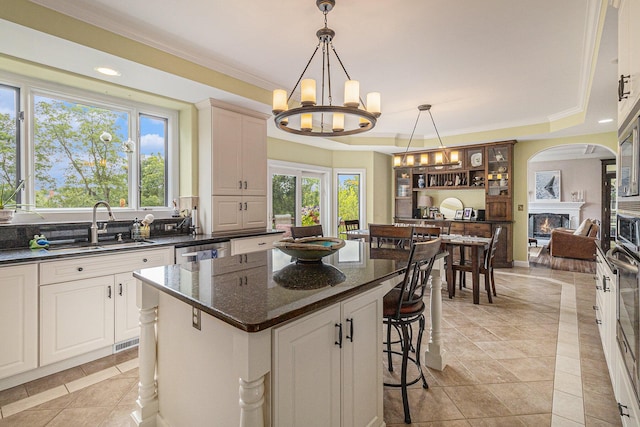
{"x": 547, "y": 186}
{"x": 467, "y": 213}
{"x": 459, "y": 213}
{"x": 438, "y": 215}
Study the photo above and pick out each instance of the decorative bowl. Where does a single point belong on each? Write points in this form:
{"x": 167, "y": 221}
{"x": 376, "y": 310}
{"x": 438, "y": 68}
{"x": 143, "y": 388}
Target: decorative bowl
{"x": 309, "y": 249}
{"x": 308, "y": 275}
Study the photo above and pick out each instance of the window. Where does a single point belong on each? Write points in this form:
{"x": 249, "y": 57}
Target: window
{"x": 85, "y": 147}
{"x": 78, "y": 154}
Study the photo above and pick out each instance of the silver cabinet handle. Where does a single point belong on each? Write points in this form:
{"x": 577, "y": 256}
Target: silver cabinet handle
{"x": 239, "y": 185}
{"x": 245, "y": 185}
{"x": 240, "y": 205}
{"x": 120, "y": 289}
{"x": 109, "y": 291}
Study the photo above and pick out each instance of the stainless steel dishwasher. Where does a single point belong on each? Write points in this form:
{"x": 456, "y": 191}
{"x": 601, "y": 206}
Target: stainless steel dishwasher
{"x": 204, "y": 251}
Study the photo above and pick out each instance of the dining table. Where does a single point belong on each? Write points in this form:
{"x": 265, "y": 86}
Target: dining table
{"x": 477, "y": 247}
{"x": 451, "y": 243}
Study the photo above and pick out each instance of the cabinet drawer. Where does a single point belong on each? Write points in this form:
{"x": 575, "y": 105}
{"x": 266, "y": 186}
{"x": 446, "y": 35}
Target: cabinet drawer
{"x": 481, "y": 230}
{"x": 254, "y": 244}
{"x": 456, "y": 228}
{"x": 100, "y": 265}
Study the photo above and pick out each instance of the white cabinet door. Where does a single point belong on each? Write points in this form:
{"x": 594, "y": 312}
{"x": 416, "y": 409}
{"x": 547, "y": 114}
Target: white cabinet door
{"x": 237, "y": 212}
{"x": 127, "y": 314}
{"x": 629, "y": 54}
{"x": 19, "y": 314}
{"x": 254, "y": 214}
{"x": 628, "y": 405}
{"x": 318, "y": 381}
{"x": 75, "y": 318}
{"x": 361, "y": 357}
{"x": 226, "y": 213}
{"x": 254, "y": 156}
{"x": 226, "y": 163}
{"x": 306, "y": 384}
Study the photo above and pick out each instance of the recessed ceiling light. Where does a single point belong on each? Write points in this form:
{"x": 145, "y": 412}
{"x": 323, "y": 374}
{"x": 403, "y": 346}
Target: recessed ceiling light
{"x": 107, "y": 71}
{"x": 605, "y": 121}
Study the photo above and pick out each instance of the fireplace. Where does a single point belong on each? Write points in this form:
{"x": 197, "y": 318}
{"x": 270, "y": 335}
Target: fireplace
{"x": 541, "y": 224}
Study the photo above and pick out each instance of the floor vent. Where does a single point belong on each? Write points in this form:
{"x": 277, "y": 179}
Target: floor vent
{"x": 125, "y": 345}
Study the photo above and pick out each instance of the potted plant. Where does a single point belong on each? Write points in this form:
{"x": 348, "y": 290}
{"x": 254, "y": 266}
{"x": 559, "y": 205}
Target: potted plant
{"x": 8, "y": 203}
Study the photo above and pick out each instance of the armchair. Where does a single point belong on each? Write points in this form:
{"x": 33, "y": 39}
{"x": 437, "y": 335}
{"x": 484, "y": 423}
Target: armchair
{"x": 567, "y": 244}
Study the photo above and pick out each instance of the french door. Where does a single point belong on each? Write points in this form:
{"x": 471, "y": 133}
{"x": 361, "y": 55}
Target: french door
{"x": 298, "y": 197}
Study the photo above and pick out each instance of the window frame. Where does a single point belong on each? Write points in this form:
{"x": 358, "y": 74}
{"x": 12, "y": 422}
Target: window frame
{"x": 29, "y": 88}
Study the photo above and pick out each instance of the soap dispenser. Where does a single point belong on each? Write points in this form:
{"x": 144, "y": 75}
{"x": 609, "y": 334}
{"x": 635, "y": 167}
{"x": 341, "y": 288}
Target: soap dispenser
{"x": 135, "y": 230}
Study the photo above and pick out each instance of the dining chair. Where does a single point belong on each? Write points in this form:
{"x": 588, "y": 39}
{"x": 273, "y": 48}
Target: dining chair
{"x": 424, "y": 233}
{"x": 307, "y": 231}
{"x": 486, "y": 268}
{"x": 351, "y": 224}
{"x": 387, "y": 235}
{"x": 403, "y": 306}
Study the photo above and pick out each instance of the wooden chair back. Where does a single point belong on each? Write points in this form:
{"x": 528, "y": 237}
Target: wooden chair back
{"x": 307, "y": 231}
{"x": 390, "y": 235}
{"x": 351, "y": 224}
{"x": 424, "y": 233}
{"x": 490, "y": 253}
{"x": 416, "y": 277}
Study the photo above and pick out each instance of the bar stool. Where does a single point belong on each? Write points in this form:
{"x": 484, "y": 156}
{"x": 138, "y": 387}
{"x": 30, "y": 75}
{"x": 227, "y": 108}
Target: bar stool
{"x": 402, "y": 307}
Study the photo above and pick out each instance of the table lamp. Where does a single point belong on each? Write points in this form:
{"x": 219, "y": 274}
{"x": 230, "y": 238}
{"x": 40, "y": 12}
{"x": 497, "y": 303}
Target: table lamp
{"x": 425, "y": 201}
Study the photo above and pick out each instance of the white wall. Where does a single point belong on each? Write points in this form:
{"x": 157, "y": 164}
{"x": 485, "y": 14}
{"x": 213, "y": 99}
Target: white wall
{"x": 575, "y": 175}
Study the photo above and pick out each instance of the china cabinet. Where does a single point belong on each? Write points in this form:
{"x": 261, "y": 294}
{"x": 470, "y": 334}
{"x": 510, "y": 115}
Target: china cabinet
{"x": 499, "y": 184}
{"x": 486, "y": 166}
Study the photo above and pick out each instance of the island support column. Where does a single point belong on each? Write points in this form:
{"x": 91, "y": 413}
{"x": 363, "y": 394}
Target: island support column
{"x": 435, "y": 356}
{"x": 252, "y": 353}
{"x": 147, "y": 402}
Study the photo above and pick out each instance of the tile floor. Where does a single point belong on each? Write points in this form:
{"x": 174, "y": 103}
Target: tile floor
{"x": 533, "y": 358}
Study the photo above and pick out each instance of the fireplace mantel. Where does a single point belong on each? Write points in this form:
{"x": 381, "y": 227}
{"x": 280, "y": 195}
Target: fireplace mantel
{"x": 571, "y": 208}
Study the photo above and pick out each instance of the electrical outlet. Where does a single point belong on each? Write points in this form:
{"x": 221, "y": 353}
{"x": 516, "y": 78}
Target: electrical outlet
{"x": 520, "y": 207}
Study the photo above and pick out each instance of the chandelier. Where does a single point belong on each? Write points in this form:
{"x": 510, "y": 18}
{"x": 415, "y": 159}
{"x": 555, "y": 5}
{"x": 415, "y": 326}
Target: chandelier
{"x": 441, "y": 158}
{"x": 353, "y": 117}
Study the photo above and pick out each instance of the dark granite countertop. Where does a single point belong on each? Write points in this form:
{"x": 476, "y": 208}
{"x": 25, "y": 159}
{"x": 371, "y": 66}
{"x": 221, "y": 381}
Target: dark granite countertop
{"x": 273, "y": 288}
{"x": 25, "y": 255}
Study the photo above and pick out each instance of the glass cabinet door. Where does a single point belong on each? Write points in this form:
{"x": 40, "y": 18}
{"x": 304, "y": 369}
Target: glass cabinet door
{"x": 498, "y": 171}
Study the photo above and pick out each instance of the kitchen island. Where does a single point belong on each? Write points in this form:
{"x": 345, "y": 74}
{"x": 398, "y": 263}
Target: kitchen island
{"x": 257, "y": 339}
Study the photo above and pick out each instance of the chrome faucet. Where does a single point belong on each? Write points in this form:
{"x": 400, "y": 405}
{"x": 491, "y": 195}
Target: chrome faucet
{"x": 94, "y": 226}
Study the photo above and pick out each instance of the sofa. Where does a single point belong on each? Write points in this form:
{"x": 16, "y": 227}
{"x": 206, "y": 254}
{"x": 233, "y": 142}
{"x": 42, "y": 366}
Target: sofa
{"x": 577, "y": 244}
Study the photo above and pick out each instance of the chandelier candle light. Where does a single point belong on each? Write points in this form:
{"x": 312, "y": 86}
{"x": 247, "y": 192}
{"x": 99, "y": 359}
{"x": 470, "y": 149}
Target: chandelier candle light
{"x": 441, "y": 158}
{"x": 353, "y": 117}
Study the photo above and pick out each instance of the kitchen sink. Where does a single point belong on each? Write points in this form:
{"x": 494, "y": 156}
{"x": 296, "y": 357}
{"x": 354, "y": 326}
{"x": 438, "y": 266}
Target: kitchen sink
{"x": 84, "y": 246}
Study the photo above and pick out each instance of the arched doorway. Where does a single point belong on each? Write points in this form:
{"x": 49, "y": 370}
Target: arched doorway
{"x": 572, "y": 182}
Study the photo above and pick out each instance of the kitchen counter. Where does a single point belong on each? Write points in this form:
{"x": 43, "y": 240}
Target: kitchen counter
{"x": 14, "y": 256}
{"x": 225, "y": 337}
{"x": 282, "y": 289}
